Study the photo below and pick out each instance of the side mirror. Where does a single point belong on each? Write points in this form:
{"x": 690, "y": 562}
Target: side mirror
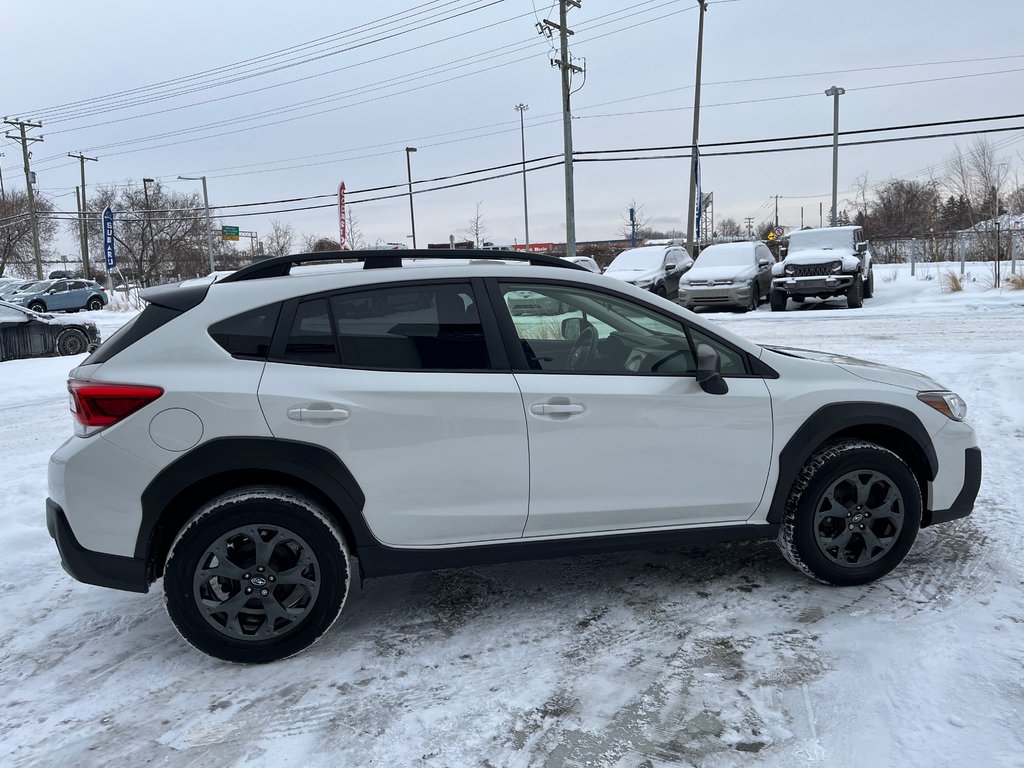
{"x": 572, "y": 327}
{"x": 763, "y": 263}
{"x": 709, "y": 370}
{"x": 671, "y": 266}
{"x": 861, "y": 247}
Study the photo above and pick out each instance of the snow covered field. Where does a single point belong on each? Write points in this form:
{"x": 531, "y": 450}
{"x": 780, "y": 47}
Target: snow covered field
{"x": 719, "y": 657}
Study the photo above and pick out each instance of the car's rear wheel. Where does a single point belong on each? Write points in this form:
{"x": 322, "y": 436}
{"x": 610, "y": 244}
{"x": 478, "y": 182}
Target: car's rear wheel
{"x": 257, "y": 575}
{"x": 852, "y": 514}
{"x": 94, "y": 304}
{"x": 72, "y": 341}
{"x": 752, "y": 302}
{"x": 37, "y": 306}
{"x": 869, "y": 284}
{"x": 778, "y": 301}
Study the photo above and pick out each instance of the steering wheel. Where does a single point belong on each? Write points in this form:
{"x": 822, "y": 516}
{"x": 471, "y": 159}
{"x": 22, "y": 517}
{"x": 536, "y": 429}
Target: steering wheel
{"x": 582, "y": 348}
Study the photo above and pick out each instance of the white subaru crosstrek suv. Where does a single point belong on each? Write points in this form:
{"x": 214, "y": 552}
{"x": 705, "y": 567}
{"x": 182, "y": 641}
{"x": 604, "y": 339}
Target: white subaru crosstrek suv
{"x": 252, "y": 439}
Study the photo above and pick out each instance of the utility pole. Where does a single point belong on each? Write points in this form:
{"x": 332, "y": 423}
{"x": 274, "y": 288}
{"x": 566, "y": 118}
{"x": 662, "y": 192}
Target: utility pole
{"x": 209, "y": 231}
{"x": 412, "y": 215}
{"x": 835, "y": 92}
{"x": 82, "y": 222}
{"x": 750, "y": 227}
{"x": 568, "y": 69}
{"x": 3, "y": 195}
{"x": 23, "y": 126}
{"x": 694, "y": 156}
{"x": 152, "y": 242}
{"x": 776, "y": 210}
{"x": 801, "y": 217}
{"x": 521, "y": 108}
{"x": 821, "y": 216}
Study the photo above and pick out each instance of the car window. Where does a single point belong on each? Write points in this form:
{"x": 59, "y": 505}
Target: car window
{"x": 733, "y": 363}
{"x": 427, "y": 327}
{"x": 628, "y": 337}
{"x": 78, "y": 285}
{"x": 247, "y": 335}
{"x": 311, "y": 338}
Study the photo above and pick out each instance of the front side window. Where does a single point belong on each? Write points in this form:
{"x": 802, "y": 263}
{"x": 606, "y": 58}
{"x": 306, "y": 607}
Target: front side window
{"x": 567, "y": 329}
{"x": 427, "y": 327}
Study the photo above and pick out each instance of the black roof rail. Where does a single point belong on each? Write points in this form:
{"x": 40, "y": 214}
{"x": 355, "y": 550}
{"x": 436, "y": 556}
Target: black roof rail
{"x": 282, "y": 265}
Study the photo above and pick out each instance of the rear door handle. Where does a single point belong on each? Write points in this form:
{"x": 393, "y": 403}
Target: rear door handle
{"x": 314, "y": 413}
{"x": 557, "y": 409}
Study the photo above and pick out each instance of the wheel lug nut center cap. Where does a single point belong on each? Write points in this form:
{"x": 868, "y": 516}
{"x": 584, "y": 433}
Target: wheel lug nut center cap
{"x": 856, "y": 518}
{"x": 258, "y": 581}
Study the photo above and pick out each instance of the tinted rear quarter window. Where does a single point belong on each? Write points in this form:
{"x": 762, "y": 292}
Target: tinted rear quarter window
{"x": 247, "y": 335}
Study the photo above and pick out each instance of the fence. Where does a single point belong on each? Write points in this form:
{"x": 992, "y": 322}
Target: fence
{"x": 966, "y": 246}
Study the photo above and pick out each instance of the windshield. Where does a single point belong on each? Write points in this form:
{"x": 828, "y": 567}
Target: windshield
{"x": 814, "y": 239}
{"x": 42, "y": 285}
{"x": 725, "y": 256}
{"x": 638, "y": 258}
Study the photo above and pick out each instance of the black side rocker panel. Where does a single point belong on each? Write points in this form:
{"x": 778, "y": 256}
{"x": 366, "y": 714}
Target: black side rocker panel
{"x": 837, "y": 417}
{"x": 127, "y": 573}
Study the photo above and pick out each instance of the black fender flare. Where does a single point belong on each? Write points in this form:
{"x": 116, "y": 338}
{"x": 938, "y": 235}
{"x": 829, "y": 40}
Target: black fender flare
{"x": 836, "y": 419}
{"x": 184, "y": 480}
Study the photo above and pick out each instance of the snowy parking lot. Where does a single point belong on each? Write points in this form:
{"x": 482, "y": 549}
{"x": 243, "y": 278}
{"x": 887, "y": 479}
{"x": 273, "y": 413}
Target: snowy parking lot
{"x": 718, "y": 657}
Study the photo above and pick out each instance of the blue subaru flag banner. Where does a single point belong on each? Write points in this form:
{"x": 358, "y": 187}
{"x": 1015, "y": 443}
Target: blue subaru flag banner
{"x": 108, "y": 237}
{"x": 699, "y": 200}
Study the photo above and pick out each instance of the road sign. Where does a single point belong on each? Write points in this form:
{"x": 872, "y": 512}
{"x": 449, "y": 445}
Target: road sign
{"x": 108, "y": 238}
{"x": 779, "y": 232}
{"x": 229, "y": 233}
{"x": 771, "y": 236}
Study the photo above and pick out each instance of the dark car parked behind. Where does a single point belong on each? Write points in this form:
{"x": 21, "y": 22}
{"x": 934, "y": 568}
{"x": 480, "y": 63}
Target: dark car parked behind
{"x": 24, "y": 333}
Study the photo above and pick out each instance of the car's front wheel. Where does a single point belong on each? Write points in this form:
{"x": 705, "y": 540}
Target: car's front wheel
{"x": 855, "y": 293}
{"x": 778, "y": 301}
{"x": 852, "y": 514}
{"x": 257, "y": 575}
{"x": 72, "y": 341}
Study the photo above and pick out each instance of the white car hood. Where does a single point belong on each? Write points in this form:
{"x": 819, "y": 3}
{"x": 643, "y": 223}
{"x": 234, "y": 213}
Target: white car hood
{"x": 721, "y": 272}
{"x": 817, "y": 256}
{"x": 632, "y": 275}
{"x": 877, "y": 372}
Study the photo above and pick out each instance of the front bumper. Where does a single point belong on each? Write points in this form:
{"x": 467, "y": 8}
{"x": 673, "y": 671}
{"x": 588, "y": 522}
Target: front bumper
{"x": 714, "y": 294}
{"x": 114, "y": 571}
{"x": 812, "y": 286}
{"x": 963, "y": 505}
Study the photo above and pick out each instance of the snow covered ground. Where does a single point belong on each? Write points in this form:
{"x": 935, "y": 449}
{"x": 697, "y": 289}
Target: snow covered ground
{"x": 718, "y": 657}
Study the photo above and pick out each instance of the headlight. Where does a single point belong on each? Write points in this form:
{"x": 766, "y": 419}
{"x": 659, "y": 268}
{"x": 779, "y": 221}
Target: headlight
{"x": 684, "y": 281}
{"x": 836, "y": 267}
{"x": 790, "y": 269}
{"x": 948, "y": 404}
{"x": 644, "y": 283}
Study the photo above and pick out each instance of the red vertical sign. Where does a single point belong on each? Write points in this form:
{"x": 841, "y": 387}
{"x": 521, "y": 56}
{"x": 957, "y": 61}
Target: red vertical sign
{"x": 341, "y": 213}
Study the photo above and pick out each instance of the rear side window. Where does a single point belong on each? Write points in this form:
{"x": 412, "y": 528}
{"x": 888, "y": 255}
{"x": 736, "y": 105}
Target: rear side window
{"x": 431, "y": 327}
{"x": 247, "y": 335}
{"x": 311, "y": 339}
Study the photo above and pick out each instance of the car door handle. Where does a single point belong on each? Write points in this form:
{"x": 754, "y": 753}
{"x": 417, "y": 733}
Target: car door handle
{"x": 557, "y": 409}
{"x": 313, "y": 413}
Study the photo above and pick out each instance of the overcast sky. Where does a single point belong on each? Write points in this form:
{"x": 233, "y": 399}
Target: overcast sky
{"x": 444, "y": 77}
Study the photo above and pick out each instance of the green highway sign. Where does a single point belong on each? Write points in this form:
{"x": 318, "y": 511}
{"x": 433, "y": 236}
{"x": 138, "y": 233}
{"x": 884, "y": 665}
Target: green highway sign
{"x": 229, "y": 233}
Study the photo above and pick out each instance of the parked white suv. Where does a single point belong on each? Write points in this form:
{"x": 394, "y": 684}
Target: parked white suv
{"x": 822, "y": 263}
{"x": 254, "y": 439}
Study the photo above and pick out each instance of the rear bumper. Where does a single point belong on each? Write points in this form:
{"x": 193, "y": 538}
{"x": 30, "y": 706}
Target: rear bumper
{"x": 101, "y": 569}
{"x": 963, "y": 505}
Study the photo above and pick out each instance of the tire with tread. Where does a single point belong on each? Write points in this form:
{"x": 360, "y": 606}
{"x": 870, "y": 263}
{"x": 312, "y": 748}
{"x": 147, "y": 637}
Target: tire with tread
{"x": 796, "y": 537}
{"x": 95, "y": 303}
{"x": 778, "y": 301}
{"x": 869, "y": 284}
{"x": 37, "y": 306}
{"x": 272, "y": 508}
{"x": 855, "y": 293}
{"x": 72, "y": 341}
{"x": 754, "y": 302}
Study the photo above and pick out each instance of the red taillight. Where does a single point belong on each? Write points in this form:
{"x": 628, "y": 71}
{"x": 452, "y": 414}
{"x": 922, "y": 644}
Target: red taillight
{"x": 100, "y": 405}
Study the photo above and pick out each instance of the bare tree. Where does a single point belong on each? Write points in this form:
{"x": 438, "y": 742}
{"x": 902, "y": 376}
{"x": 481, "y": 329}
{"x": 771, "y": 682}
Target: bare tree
{"x": 476, "y": 229}
{"x": 980, "y": 178}
{"x": 354, "y": 239}
{"x": 729, "y": 228}
{"x": 16, "y": 231}
{"x": 279, "y": 241}
{"x": 640, "y": 221}
{"x": 165, "y": 241}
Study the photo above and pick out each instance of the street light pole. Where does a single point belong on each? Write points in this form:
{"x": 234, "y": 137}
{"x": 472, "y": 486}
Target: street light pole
{"x": 412, "y": 214}
{"x": 694, "y": 159}
{"x": 209, "y": 225}
{"x": 835, "y": 92}
{"x": 521, "y": 108}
